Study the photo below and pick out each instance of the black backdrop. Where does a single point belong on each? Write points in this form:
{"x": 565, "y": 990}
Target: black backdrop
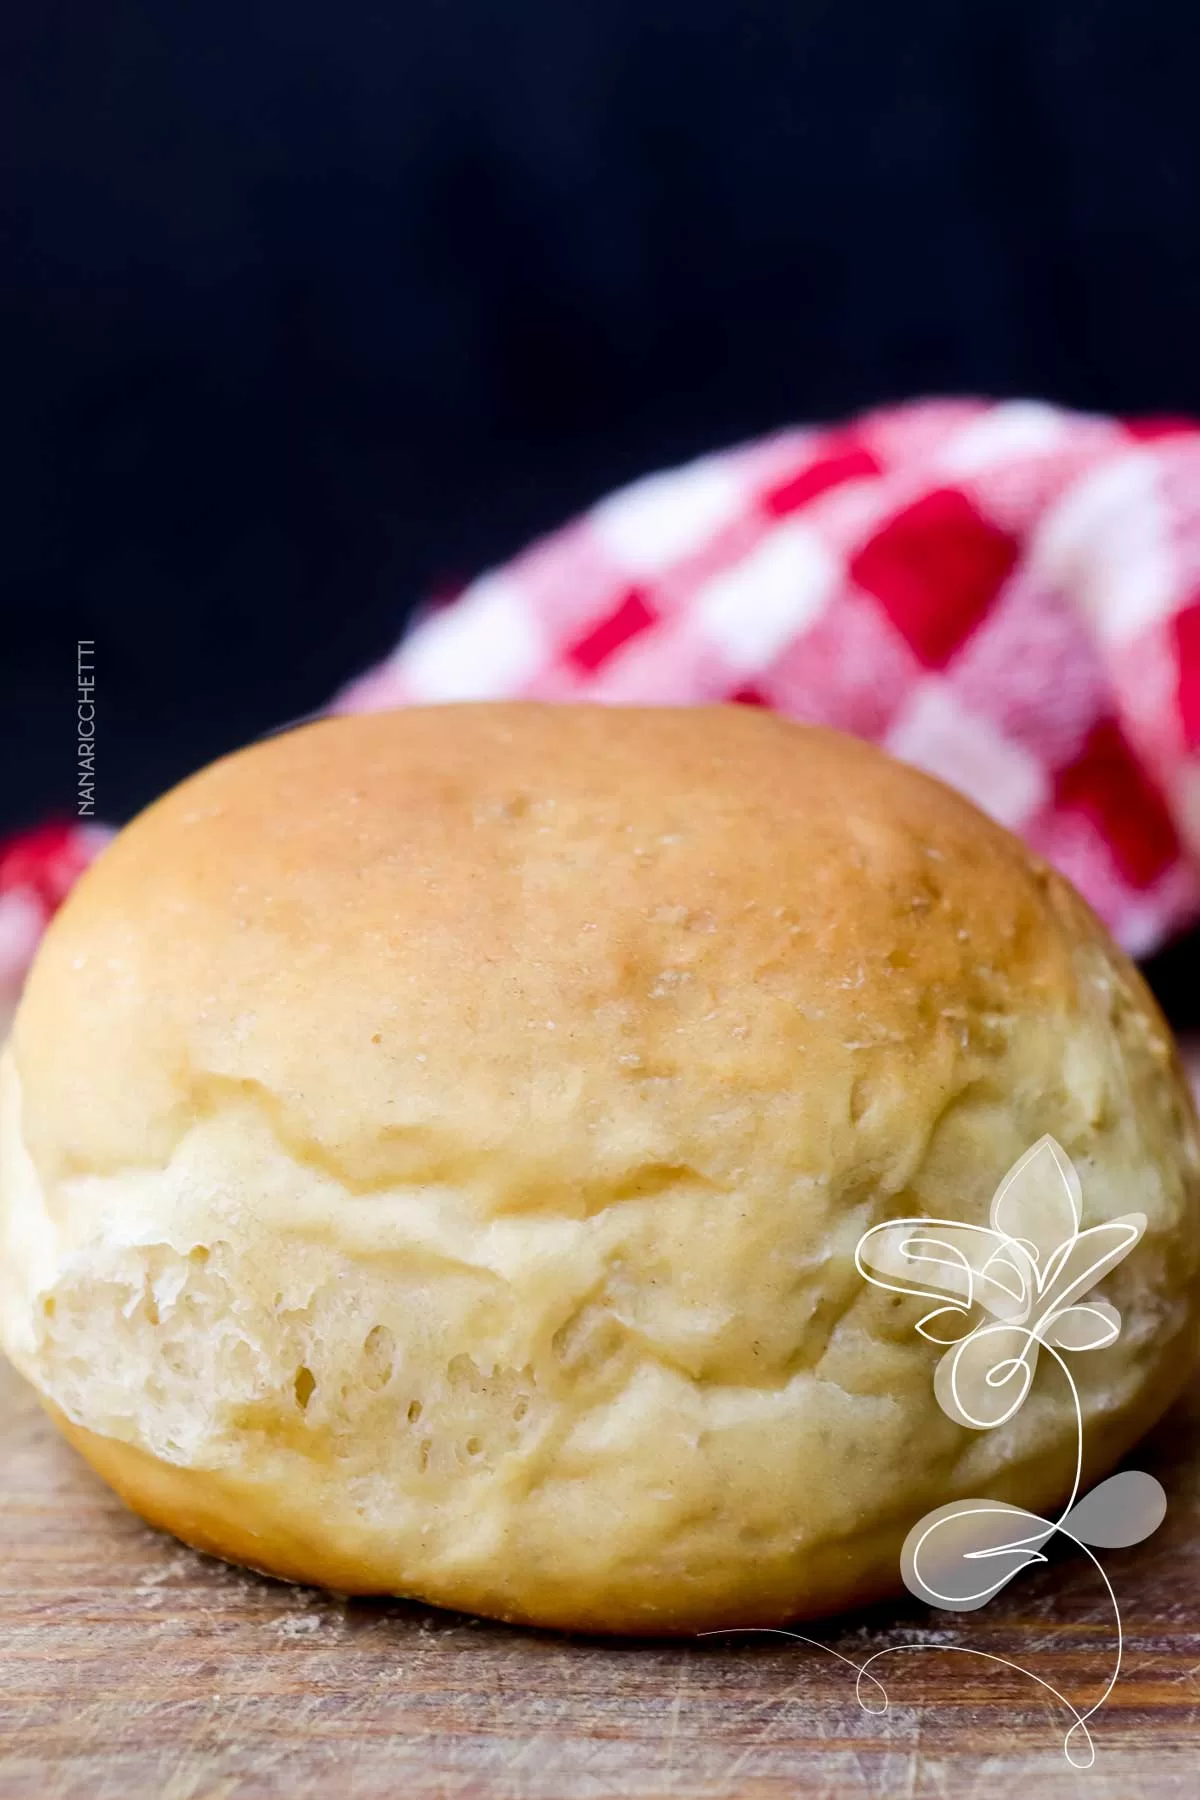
{"x": 308, "y": 308}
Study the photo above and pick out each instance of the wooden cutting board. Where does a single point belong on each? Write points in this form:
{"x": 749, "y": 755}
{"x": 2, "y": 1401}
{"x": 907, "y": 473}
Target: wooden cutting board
{"x": 132, "y": 1669}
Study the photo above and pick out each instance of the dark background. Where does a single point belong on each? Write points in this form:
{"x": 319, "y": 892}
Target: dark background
{"x": 308, "y": 309}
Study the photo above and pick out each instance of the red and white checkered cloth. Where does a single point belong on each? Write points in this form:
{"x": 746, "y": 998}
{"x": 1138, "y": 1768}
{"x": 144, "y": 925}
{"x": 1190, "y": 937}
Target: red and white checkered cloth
{"x": 1007, "y": 595}
{"x": 37, "y": 871}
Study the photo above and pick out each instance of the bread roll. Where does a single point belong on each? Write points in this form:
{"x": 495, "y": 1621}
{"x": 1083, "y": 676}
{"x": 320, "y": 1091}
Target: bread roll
{"x": 435, "y": 1146}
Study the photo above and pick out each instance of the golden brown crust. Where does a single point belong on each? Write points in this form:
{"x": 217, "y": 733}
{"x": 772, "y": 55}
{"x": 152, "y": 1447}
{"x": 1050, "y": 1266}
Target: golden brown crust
{"x": 561, "y": 890}
{"x": 459, "y": 1196}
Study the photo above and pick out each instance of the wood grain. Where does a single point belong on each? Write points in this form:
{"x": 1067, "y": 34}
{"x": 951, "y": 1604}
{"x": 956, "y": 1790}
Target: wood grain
{"x": 132, "y": 1669}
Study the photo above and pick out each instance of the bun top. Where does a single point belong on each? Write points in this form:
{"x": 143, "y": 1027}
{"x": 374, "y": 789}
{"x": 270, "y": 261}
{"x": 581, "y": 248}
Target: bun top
{"x": 547, "y": 953}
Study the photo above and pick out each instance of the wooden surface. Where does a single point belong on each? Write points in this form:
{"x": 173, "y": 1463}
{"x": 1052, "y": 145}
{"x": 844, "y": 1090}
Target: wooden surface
{"x": 132, "y": 1669}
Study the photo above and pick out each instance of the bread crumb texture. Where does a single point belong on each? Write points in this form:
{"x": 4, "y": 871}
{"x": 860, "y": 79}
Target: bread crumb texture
{"x": 433, "y": 1148}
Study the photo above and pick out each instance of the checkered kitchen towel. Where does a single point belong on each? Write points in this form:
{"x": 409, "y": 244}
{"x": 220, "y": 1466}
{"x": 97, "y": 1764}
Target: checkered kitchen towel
{"x": 1007, "y": 595}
